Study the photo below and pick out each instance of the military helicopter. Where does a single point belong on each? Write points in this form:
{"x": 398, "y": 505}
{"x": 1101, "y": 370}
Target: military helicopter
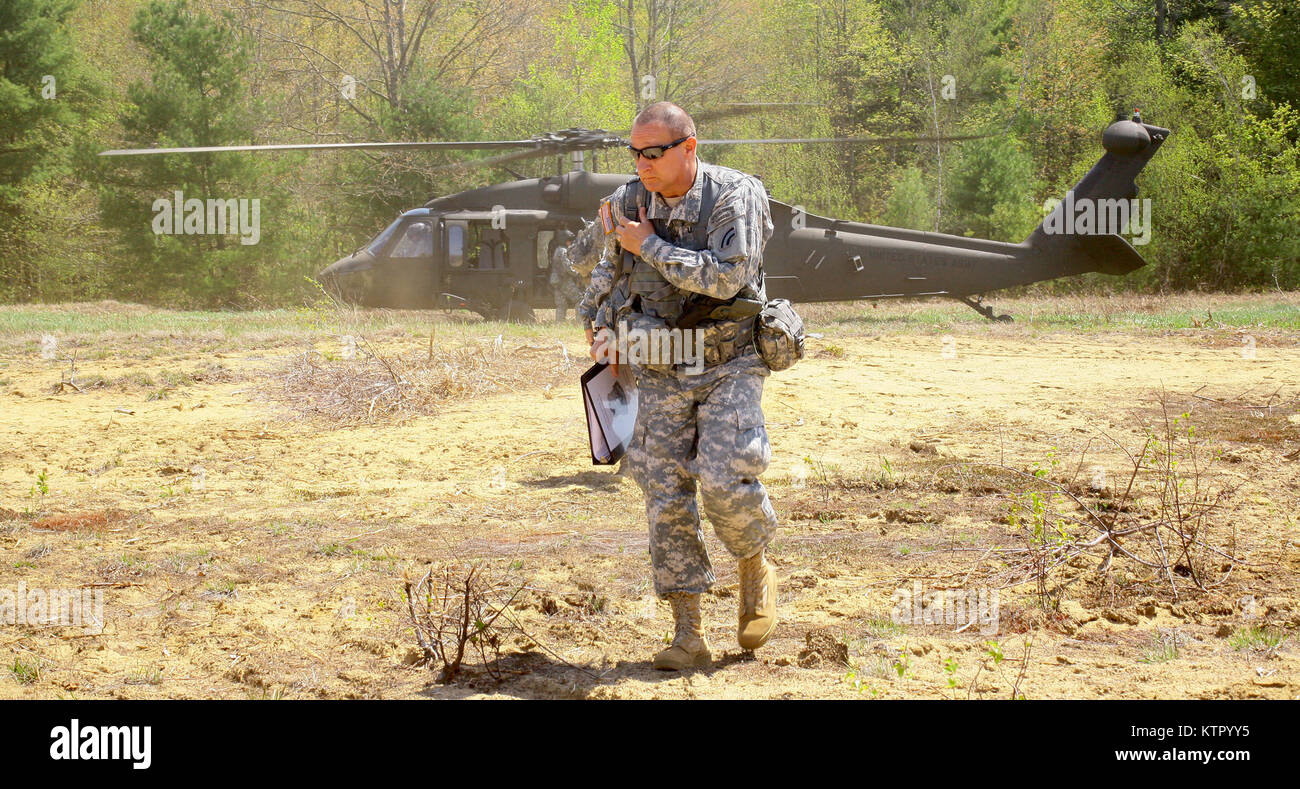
{"x": 491, "y": 249}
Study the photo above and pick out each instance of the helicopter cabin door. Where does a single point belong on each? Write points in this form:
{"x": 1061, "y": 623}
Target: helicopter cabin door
{"x": 491, "y": 260}
{"x": 406, "y": 272}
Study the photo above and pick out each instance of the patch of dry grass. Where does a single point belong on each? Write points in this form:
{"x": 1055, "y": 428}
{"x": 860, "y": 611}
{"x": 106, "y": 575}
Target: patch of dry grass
{"x": 375, "y": 385}
{"x": 1213, "y": 313}
{"x": 1249, "y": 417}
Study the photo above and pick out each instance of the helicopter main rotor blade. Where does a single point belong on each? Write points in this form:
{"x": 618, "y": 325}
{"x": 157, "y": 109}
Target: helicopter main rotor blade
{"x": 542, "y": 145}
{"x": 855, "y": 140}
{"x": 551, "y": 144}
{"x": 495, "y": 160}
{"x": 734, "y": 108}
{"x": 547, "y": 151}
{"x": 329, "y": 146}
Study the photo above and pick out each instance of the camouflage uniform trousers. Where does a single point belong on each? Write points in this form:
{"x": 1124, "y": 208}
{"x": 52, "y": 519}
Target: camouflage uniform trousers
{"x": 706, "y": 427}
{"x": 566, "y": 285}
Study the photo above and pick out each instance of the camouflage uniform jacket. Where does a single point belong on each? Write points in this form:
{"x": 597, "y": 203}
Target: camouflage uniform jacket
{"x": 565, "y": 282}
{"x": 737, "y": 230}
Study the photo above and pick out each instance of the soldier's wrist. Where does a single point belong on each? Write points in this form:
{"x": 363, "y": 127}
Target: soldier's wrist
{"x": 652, "y": 247}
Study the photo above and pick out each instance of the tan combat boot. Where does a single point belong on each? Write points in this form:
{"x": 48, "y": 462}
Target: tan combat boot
{"x": 689, "y": 648}
{"x": 757, "y": 601}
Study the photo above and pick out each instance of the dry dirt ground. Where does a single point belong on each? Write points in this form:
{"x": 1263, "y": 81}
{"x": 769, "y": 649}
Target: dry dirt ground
{"x": 249, "y": 509}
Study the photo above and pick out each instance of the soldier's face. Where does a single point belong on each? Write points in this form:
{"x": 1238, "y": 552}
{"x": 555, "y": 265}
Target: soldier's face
{"x": 671, "y": 174}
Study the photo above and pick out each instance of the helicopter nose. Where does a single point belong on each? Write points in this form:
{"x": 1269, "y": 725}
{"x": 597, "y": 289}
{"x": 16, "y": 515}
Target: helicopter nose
{"x": 345, "y": 265}
{"x": 344, "y": 276}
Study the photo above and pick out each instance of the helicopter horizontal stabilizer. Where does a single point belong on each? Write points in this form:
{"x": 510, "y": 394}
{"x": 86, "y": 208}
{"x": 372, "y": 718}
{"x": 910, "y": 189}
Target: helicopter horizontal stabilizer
{"x": 1109, "y": 254}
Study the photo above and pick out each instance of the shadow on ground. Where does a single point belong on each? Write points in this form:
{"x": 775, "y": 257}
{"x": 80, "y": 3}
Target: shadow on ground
{"x": 604, "y": 481}
{"x": 537, "y": 675}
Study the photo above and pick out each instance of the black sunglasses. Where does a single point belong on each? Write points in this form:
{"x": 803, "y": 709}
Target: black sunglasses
{"x": 656, "y": 151}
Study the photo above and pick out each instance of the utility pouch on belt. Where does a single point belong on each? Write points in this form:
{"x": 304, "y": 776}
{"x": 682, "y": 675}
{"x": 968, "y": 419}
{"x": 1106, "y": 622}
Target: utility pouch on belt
{"x": 779, "y": 335}
{"x": 727, "y": 324}
{"x": 736, "y": 309}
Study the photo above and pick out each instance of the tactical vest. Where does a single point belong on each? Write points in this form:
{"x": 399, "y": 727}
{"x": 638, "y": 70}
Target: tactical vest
{"x": 649, "y": 293}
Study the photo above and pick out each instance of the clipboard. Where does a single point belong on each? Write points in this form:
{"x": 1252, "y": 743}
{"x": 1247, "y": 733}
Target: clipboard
{"x": 611, "y": 405}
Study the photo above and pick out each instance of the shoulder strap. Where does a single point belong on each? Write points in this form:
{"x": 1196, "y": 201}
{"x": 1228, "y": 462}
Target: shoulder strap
{"x": 633, "y": 197}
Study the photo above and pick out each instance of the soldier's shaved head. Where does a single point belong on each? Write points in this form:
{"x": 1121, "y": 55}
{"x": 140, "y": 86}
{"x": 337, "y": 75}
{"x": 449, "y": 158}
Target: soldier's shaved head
{"x": 669, "y": 115}
{"x": 664, "y": 123}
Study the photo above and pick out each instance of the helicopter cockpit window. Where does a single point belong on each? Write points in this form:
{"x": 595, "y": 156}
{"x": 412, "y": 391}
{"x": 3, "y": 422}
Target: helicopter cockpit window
{"x": 544, "y": 248}
{"x": 377, "y": 246}
{"x": 456, "y": 244}
{"x": 416, "y": 242}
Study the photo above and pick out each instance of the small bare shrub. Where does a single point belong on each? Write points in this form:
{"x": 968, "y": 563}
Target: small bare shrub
{"x": 454, "y": 610}
{"x": 1170, "y": 520}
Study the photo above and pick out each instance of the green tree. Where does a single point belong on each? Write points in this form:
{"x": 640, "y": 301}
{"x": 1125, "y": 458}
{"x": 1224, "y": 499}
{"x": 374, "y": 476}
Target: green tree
{"x": 376, "y": 70}
{"x": 48, "y": 106}
{"x": 196, "y": 96}
{"x": 1226, "y": 187}
{"x": 1268, "y": 30}
{"x": 911, "y": 205}
{"x": 37, "y": 60}
{"x": 580, "y": 82}
{"x": 992, "y": 191}
{"x": 427, "y": 110}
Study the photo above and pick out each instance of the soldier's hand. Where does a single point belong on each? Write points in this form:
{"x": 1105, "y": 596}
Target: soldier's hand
{"x": 631, "y": 235}
{"x": 603, "y": 348}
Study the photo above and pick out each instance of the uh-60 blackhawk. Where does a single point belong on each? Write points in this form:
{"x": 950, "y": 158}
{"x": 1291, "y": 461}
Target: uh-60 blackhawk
{"x": 491, "y": 249}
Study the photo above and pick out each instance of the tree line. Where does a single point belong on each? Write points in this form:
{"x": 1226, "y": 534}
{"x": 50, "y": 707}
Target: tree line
{"x": 1040, "y": 78}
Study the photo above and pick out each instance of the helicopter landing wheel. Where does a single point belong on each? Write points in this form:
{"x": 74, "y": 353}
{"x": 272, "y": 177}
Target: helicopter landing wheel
{"x": 486, "y": 311}
{"x": 977, "y": 303}
{"x": 518, "y": 311}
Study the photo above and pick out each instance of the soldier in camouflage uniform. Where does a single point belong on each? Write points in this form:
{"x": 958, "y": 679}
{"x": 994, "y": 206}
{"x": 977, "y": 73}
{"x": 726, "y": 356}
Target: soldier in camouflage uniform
{"x": 566, "y": 285}
{"x": 586, "y": 254}
{"x": 694, "y": 234}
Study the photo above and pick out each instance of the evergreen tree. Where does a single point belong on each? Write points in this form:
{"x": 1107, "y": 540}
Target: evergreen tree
{"x": 47, "y": 107}
{"x": 992, "y": 192}
{"x": 196, "y": 96}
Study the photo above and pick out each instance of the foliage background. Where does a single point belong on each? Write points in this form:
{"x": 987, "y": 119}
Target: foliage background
{"x": 1045, "y": 75}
